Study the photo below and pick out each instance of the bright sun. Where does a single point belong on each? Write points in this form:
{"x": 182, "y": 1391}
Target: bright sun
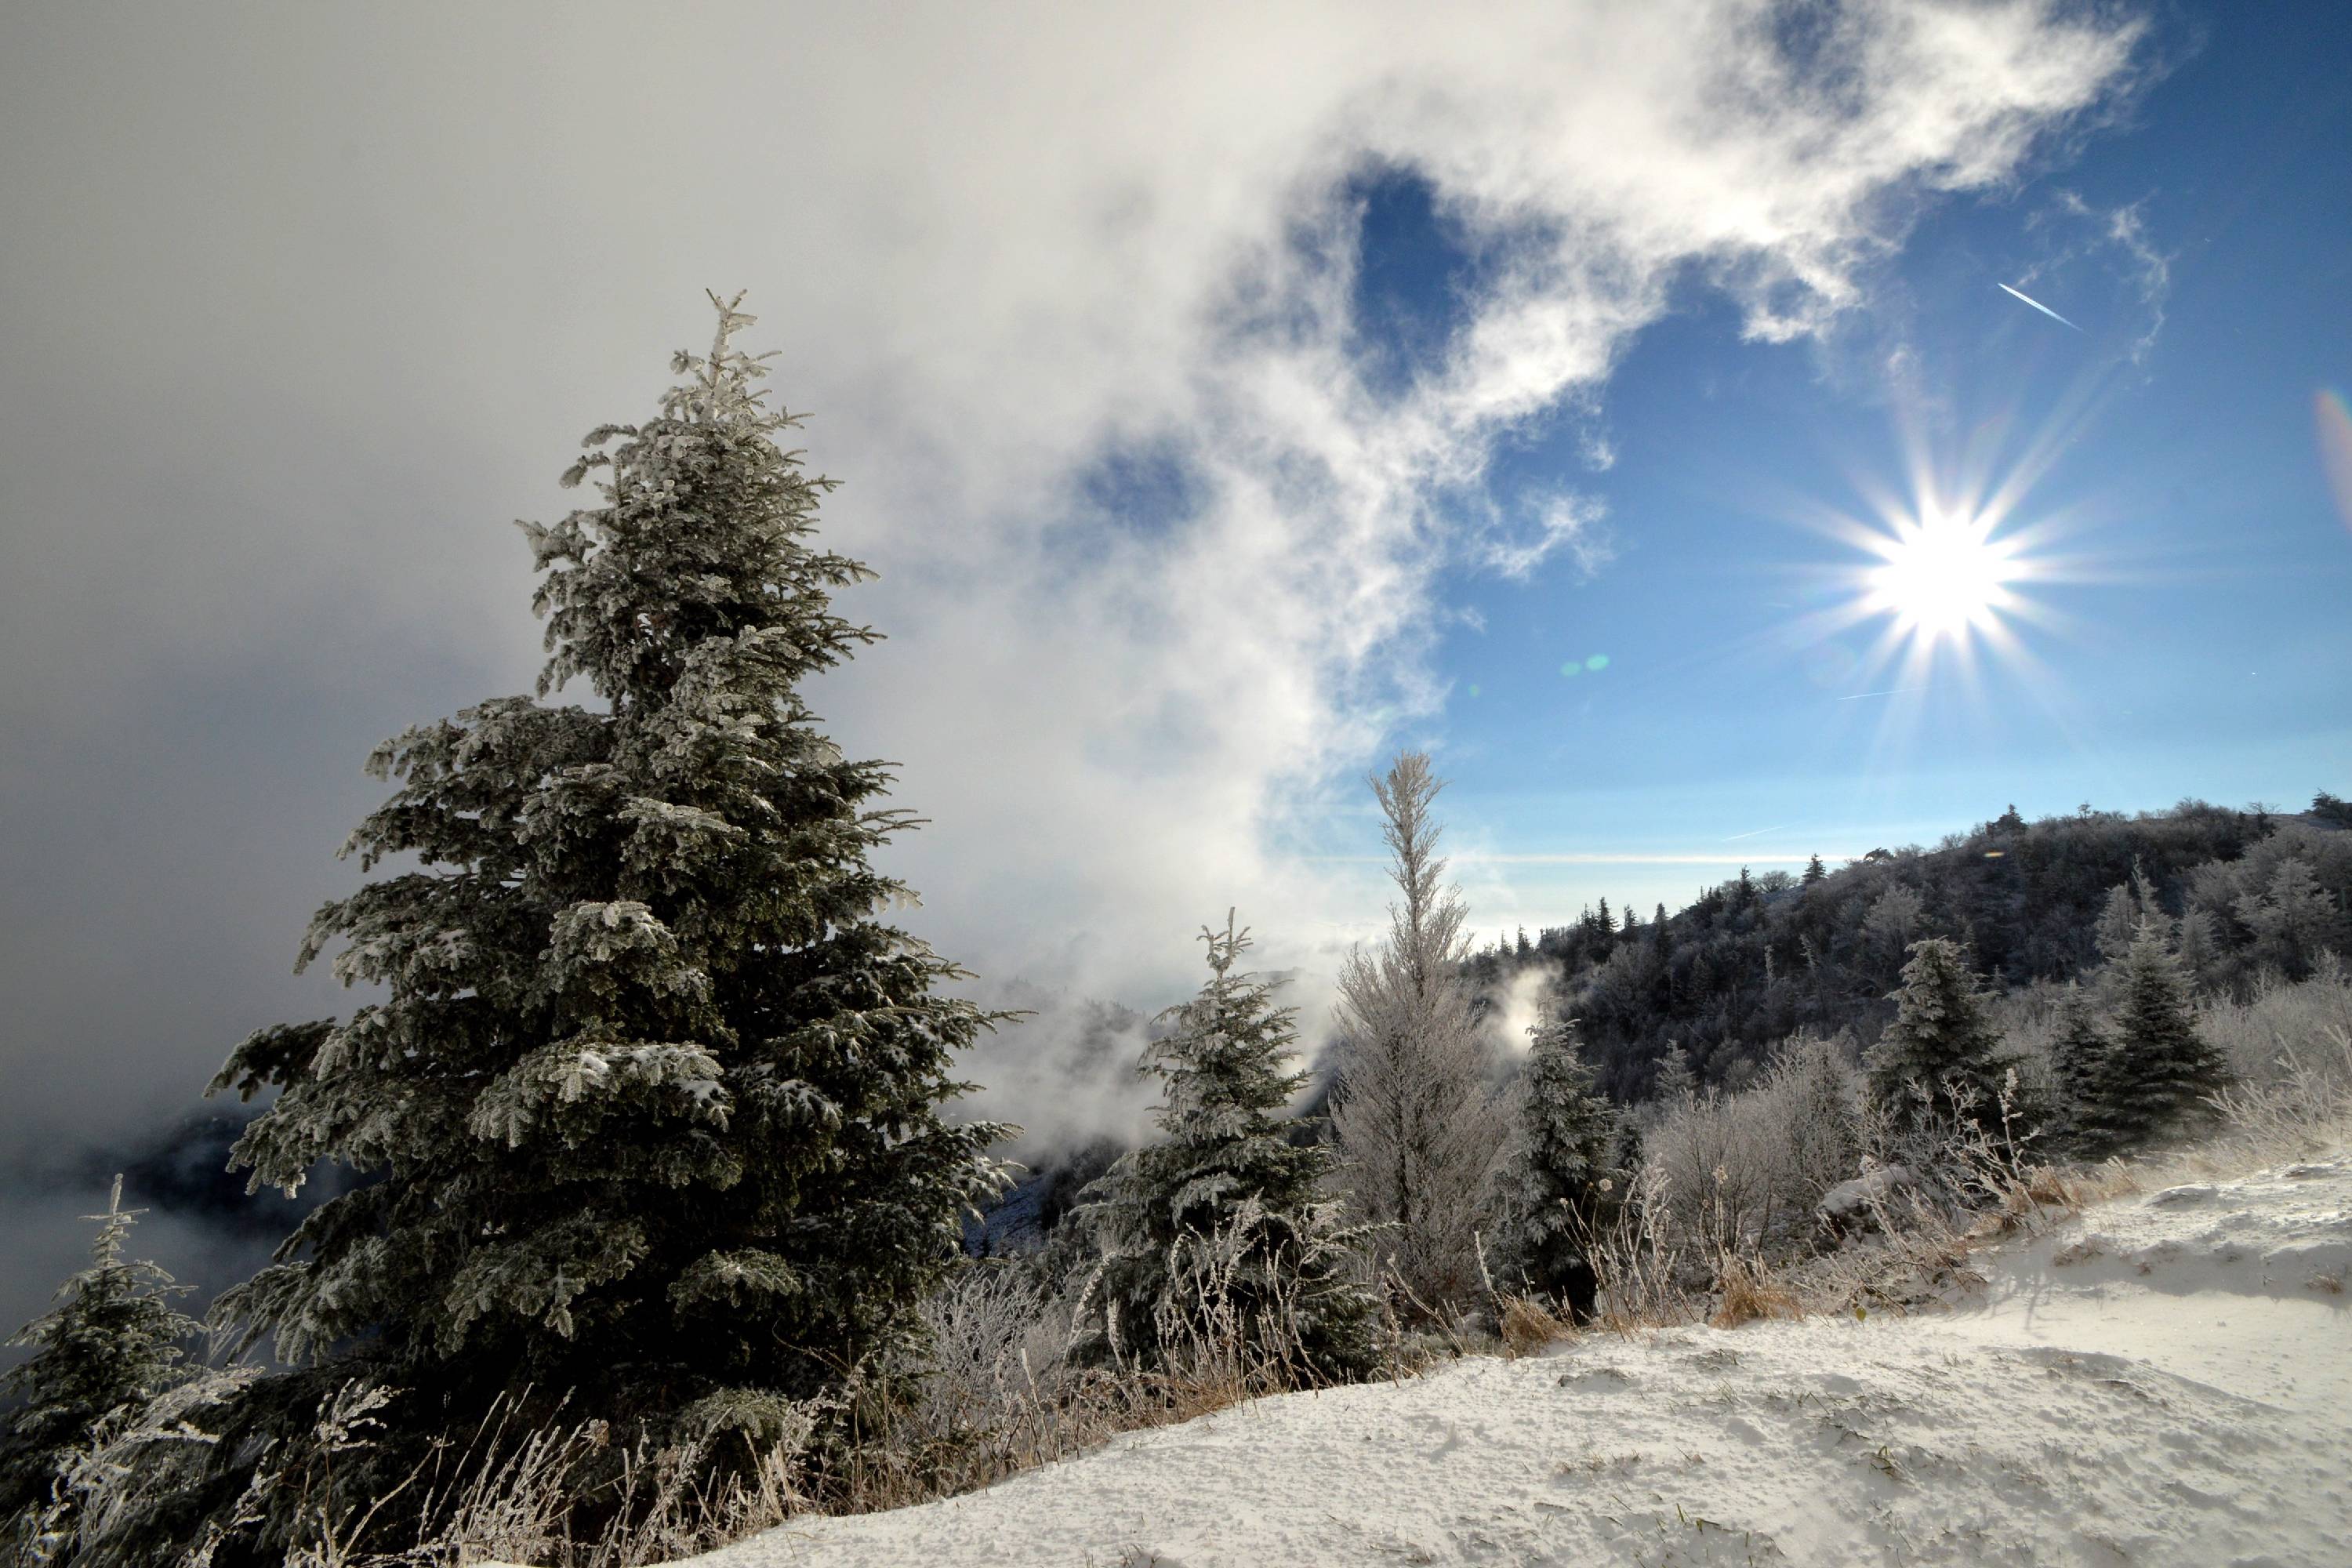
{"x": 1941, "y": 576}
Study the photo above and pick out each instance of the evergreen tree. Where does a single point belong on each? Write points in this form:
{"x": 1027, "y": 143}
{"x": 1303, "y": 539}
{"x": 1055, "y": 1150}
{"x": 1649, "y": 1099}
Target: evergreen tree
{"x": 2199, "y": 946}
{"x": 1677, "y": 1084}
{"x": 2292, "y": 918}
{"x": 112, "y": 1340}
{"x": 2160, "y": 1068}
{"x": 1814, "y": 871}
{"x": 1555, "y": 1196}
{"x": 653, "y": 1098}
{"x": 1941, "y": 1057}
{"x": 2129, "y": 905}
{"x": 2118, "y": 923}
{"x": 2079, "y": 1052}
{"x": 1226, "y": 1175}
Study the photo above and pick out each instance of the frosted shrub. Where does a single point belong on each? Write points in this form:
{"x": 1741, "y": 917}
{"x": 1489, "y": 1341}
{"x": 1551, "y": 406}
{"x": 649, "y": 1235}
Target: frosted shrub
{"x": 1714, "y": 1168}
{"x": 114, "y": 1493}
{"x": 519, "y": 1500}
{"x": 1742, "y": 1172}
{"x": 1811, "y": 1103}
{"x": 2271, "y": 1033}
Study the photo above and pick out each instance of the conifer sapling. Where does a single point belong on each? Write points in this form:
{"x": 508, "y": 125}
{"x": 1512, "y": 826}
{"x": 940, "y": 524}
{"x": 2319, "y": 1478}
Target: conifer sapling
{"x": 1224, "y": 1174}
{"x": 2160, "y": 1069}
{"x": 1561, "y": 1180}
{"x": 112, "y": 1341}
{"x": 2079, "y": 1052}
{"x": 1940, "y": 1061}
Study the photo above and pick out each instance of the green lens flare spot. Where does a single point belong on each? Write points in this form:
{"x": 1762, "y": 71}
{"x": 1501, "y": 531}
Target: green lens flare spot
{"x": 1571, "y": 668}
{"x": 1597, "y": 661}
{"x": 1474, "y": 689}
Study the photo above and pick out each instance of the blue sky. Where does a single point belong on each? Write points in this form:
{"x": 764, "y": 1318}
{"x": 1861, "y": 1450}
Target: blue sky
{"x": 2196, "y": 575}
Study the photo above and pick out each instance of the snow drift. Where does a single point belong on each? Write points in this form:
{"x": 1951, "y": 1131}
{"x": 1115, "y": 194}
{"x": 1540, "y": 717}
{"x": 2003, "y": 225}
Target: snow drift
{"x": 2167, "y": 1379}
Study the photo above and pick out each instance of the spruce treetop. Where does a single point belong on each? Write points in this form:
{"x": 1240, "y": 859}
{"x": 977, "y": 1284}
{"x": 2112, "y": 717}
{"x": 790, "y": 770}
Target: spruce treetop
{"x": 111, "y": 1340}
{"x": 1229, "y": 1062}
{"x": 701, "y": 538}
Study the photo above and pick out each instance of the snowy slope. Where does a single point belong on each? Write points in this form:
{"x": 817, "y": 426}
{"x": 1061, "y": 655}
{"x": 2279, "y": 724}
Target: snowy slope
{"x": 2166, "y": 1380}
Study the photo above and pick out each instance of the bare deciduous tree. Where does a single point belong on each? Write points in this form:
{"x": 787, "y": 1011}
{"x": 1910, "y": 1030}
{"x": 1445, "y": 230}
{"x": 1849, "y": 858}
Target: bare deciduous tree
{"x": 1416, "y": 1117}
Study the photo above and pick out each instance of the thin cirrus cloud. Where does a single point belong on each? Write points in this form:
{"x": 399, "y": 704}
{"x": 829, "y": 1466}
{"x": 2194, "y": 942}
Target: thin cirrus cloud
{"x": 1603, "y": 857}
{"x": 321, "y": 298}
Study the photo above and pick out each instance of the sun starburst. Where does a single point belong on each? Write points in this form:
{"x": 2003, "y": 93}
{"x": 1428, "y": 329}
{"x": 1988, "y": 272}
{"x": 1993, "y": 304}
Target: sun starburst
{"x": 1942, "y": 577}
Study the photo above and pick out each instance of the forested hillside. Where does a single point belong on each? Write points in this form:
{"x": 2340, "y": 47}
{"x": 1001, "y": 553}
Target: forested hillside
{"x": 1758, "y": 958}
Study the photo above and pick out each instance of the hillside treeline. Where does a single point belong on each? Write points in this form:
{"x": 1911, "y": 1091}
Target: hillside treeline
{"x": 1759, "y": 958}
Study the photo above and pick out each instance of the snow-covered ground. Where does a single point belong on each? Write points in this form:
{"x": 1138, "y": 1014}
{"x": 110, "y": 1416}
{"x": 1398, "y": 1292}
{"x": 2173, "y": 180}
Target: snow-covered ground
{"x": 2165, "y": 1379}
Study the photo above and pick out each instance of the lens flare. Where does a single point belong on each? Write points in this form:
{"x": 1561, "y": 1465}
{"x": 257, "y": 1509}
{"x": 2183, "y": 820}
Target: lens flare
{"x": 2335, "y": 420}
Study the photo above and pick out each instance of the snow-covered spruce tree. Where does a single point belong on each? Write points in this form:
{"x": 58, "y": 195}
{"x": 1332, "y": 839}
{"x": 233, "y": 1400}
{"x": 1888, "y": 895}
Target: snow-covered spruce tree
{"x": 2198, "y": 945}
{"x": 651, "y": 1096}
{"x": 1676, "y": 1083}
{"x": 2129, "y": 905}
{"x": 1225, "y": 1167}
{"x": 112, "y": 1342}
{"x": 1554, "y": 1192}
{"x": 2159, "y": 1070}
{"x": 1940, "y": 1061}
{"x": 2293, "y": 920}
{"x": 2079, "y": 1049}
{"x": 1417, "y": 1124}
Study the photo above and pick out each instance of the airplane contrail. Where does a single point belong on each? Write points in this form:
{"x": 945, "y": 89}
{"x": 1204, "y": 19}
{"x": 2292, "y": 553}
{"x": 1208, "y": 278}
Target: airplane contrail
{"x": 1892, "y": 690}
{"x": 2038, "y": 305}
{"x": 1736, "y": 837}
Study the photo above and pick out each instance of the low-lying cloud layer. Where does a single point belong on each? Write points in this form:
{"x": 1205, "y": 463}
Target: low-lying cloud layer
{"x": 317, "y": 299}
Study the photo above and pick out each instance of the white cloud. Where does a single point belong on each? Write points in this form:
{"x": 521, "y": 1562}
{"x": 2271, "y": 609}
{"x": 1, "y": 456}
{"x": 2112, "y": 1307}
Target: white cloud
{"x": 2115, "y": 238}
{"x": 346, "y": 293}
{"x": 1570, "y": 522}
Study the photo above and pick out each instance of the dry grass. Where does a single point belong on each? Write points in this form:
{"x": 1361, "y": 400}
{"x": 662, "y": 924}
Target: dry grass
{"x": 995, "y": 1394}
{"x": 1748, "y": 1292}
{"x": 1528, "y": 1325}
